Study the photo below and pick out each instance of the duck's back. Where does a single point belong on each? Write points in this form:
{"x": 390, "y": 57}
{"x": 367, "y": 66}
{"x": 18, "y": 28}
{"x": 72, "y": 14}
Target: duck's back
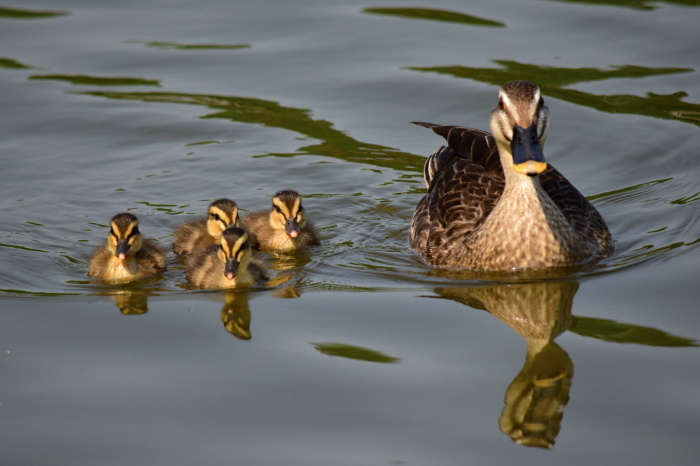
{"x": 192, "y": 236}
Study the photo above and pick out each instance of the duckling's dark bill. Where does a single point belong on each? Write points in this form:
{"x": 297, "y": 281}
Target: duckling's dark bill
{"x": 292, "y": 228}
{"x": 528, "y": 158}
{"x": 122, "y": 249}
{"x": 231, "y": 269}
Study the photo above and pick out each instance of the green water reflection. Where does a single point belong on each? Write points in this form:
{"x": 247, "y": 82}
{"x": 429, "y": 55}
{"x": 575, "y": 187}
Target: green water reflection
{"x": 636, "y": 4}
{"x": 83, "y": 79}
{"x": 434, "y": 15}
{"x": 534, "y": 401}
{"x": 11, "y": 64}
{"x": 178, "y": 46}
{"x": 552, "y": 81}
{"x": 17, "y": 13}
{"x": 354, "y": 352}
{"x": 334, "y": 143}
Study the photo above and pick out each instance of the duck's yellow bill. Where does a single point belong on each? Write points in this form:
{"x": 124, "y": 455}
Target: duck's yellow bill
{"x": 530, "y": 168}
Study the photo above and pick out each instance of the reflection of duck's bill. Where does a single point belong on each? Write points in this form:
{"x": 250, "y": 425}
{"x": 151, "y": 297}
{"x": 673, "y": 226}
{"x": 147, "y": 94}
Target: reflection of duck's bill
{"x": 551, "y": 381}
{"x": 525, "y": 146}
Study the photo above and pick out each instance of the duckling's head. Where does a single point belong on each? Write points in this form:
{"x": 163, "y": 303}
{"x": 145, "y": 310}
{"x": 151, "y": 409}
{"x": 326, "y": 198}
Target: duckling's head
{"x": 234, "y": 251}
{"x": 287, "y": 213}
{"x": 520, "y": 124}
{"x": 124, "y": 236}
{"x": 222, "y": 214}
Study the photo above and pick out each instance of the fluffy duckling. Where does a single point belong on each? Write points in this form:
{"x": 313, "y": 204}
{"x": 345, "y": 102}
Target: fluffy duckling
{"x": 284, "y": 228}
{"x": 226, "y": 265}
{"x": 126, "y": 255}
{"x": 201, "y": 233}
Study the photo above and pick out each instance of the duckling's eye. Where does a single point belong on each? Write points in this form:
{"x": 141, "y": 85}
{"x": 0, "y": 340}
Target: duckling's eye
{"x": 501, "y": 105}
{"x": 277, "y": 209}
{"x": 215, "y": 217}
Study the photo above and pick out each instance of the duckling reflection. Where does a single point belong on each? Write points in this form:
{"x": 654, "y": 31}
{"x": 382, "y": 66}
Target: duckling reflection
{"x": 235, "y": 314}
{"x": 131, "y": 302}
{"x": 289, "y": 268}
{"x": 539, "y": 312}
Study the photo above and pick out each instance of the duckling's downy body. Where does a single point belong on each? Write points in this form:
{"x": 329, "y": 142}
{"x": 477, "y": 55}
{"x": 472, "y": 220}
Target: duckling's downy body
{"x": 284, "y": 228}
{"x": 493, "y": 203}
{"x": 203, "y": 232}
{"x": 126, "y": 255}
{"x": 226, "y": 265}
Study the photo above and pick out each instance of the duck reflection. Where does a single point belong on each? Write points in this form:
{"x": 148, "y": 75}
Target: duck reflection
{"x": 289, "y": 268}
{"x": 235, "y": 314}
{"x": 539, "y": 312}
{"x": 131, "y": 302}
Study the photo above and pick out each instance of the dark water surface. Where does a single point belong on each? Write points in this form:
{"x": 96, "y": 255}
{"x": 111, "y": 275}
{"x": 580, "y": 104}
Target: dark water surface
{"x": 359, "y": 353}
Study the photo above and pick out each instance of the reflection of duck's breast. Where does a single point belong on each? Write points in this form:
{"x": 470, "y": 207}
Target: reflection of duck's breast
{"x": 538, "y": 311}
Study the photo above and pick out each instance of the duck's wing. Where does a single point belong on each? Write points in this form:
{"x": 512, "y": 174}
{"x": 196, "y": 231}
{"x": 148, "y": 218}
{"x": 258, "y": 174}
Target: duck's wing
{"x": 465, "y": 181}
{"x": 473, "y": 144}
{"x": 580, "y": 213}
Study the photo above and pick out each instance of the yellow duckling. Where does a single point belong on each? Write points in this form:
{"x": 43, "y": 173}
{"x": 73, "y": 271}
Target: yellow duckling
{"x": 284, "y": 228}
{"x": 198, "y": 234}
{"x": 493, "y": 202}
{"x": 226, "y": 265}
{"x": 127, "y": 255}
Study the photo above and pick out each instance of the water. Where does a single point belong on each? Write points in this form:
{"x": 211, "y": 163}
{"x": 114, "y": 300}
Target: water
{"x": 361, "y": 354}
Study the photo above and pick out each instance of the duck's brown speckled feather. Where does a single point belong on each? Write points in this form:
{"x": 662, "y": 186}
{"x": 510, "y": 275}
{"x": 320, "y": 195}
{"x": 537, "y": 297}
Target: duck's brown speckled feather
{"x": 465, "y": 181}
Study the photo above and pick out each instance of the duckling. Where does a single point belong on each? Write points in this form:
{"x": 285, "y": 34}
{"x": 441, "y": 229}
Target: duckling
{"x": 284, "y": 228}
{"x": 126, "y": 255}
{"x": 226, "y": 265}
{"x": 198, "y": 234}
{"x": 494, "y": 203}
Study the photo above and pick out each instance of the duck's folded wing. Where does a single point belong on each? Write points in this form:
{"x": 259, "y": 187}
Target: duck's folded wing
{"x": 580, "y": 213}
{"x": 465, "y": 181}
{"x": 473, "y": 144}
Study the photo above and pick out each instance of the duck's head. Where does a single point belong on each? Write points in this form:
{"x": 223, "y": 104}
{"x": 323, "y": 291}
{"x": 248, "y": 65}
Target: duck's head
{"x": 124, "y": 236}
{"x": 234, "y": 251}
{"x": 520, "y": 124}
{"x": 222, "y": 214}
{"x": 287, "y": 213}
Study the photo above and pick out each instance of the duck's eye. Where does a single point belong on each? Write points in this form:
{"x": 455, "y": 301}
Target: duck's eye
{"x": 215, "y": 217}
{"x": 277, "y": 209}
{"x": 501, "y": 106}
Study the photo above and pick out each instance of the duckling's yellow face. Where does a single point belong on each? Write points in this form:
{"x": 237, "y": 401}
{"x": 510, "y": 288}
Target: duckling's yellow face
{"x": 287, "y": 213}
{"x": 234, "y": 251}
{"x": 124, "y": 236}
{"x": 520, "y": 124}
{"x": 223, "y": 213}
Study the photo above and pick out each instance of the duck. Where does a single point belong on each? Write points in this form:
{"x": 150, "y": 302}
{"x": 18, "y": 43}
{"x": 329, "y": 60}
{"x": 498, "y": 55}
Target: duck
{"x": 494, "y": 203}
{"x": 226, "y": 265}
{"x": 126, "y": 255}
{"x": 203, "y": 232}
{"x": 284, "y": 228}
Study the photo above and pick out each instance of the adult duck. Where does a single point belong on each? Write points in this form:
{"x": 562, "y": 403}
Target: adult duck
{"x": 494, "y": 203}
